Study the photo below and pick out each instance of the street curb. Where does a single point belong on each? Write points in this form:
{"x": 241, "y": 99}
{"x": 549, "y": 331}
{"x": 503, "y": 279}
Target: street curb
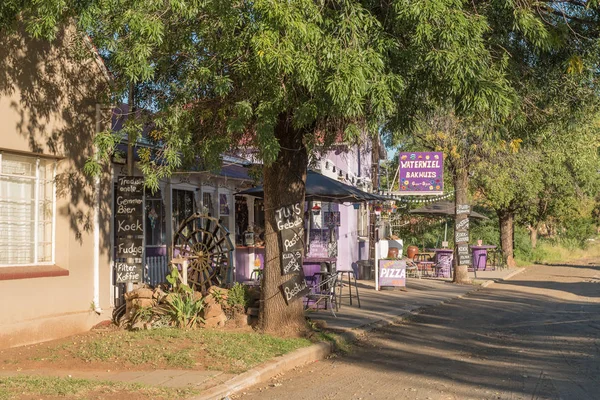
{"x": 318, "y": 351}
{"x": 507, "y": 277}
{"x": 268, "y": 370}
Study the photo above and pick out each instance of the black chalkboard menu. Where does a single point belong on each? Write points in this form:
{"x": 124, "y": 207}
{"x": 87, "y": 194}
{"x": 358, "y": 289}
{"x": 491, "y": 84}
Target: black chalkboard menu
{"x": 290, "y": 224}
{"x": 462, "y": 233}
{"x": 129, "y": 229}
{"x": 294, "y": 289}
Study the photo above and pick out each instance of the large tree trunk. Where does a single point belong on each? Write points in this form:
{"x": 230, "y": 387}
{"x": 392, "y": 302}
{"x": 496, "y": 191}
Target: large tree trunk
{"x": 506, "y": 236}
{"x": 461, "y": 183}
{"x": 284, "y": 184}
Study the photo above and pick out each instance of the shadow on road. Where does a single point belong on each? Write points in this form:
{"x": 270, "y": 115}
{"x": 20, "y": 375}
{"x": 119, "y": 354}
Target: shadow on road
{"x": 501, "y": 340}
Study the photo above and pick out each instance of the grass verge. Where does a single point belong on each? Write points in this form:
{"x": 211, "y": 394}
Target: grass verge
{"x": 174, "y": 348}
{"x": 67, "y": 388}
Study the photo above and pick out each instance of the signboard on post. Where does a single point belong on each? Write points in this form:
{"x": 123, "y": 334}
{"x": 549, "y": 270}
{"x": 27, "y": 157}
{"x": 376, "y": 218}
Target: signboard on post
{"x": 291, "y": 263}
{"x": 421, "y": 173}
{"x": 392, "y": 273}
{"x": 289, "y": 217}
{"x": 129, "y": 229}
{"x": 462, "y": 234}
{"x": 290, "y": 224}
{"x": 294, "y": 289}
{"x": 463, "y": 209}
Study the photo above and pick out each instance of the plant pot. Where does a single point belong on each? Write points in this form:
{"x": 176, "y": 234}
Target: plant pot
{"x": 411, "y": 251}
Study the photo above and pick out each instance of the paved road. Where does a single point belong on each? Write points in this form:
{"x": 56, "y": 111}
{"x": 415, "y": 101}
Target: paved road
{"x": 536, "y": 336}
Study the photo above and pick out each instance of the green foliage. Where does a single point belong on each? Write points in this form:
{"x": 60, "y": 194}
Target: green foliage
{"x": 182, "y": 309}
{"x": 238, "y": 295}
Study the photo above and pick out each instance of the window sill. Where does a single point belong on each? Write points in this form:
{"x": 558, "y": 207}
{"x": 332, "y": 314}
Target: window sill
{"x": 33, "y": 271}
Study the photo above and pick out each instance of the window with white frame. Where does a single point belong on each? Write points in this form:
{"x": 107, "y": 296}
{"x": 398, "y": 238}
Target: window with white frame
{"x": 27, "y": 207}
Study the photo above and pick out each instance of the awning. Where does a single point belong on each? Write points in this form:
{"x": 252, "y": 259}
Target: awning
{"x": 322, "y": 188}
{"x": 442, "y": 208}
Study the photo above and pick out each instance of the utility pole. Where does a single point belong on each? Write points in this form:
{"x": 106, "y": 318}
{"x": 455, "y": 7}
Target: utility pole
{"x": 375, "y": 181}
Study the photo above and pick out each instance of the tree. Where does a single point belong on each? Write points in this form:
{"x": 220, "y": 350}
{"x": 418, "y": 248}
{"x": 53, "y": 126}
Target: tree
{"x": 283, "y": 76}
{"x": 488, "y": 102}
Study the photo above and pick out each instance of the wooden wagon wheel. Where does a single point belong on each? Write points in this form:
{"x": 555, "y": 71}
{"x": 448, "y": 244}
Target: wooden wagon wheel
{"x": 205, "y": 243}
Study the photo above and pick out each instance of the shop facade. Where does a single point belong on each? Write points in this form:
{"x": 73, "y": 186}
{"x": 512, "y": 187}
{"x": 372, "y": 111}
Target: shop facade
{"x": 54, "y": 229}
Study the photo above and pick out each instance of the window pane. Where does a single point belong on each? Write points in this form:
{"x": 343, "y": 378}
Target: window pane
{"x": 17, "y": 165}
{"x": 155, "y": 220}
{"x": 18, "y": 207}
{"x": 16, "y": 220}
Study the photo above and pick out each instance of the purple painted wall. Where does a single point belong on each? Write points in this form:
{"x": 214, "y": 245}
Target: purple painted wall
{"x": 354, "y": 161}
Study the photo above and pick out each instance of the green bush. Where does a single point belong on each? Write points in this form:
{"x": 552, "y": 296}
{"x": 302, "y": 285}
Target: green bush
{"x": 238, "y": 295}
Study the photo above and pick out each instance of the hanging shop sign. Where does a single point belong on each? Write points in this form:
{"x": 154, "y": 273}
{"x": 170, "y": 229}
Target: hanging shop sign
{"x": 294, "y": 289}
{"x": 292, "y": 239}
{"x": 462, "y": 225}
{"x": 291, "y": 263}
{"x": 462, "y": 234}
{"x": 392, "y": 273}
{"x": 288, "y": 217}
{"x": 461, "y": 237}
{"x": 290, "y": 224}
{"x": 129, "y": 229}
{"x": 463, "y": 209}
{"x": 332, "y": 218}
{"x": 421, "y": 173}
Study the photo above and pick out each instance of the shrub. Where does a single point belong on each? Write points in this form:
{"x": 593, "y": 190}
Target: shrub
{"x": 182, "y": 309}
{"x": 238, "y": 295}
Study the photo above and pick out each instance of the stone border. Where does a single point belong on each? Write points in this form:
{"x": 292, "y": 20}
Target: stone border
{"x": 266, "y": 371}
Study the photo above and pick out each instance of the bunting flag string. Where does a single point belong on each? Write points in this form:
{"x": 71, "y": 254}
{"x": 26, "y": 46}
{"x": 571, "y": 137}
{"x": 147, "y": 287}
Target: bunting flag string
{"x": 405, "y": 199}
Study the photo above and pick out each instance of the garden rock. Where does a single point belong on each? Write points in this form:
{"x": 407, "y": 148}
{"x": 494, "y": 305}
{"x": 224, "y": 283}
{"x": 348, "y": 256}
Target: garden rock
{"x": 212, "y": 310}
{"x": 214, "y": 322}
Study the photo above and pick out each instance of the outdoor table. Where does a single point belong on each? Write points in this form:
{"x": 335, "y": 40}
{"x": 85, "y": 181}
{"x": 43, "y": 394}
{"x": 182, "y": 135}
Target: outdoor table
{"x": 480, "y": 256}
{"x": 312, "y": 265}
{"x": 440, "y": 254}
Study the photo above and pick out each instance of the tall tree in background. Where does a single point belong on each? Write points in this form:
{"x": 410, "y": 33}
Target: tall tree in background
{"x": 471, "y": 60}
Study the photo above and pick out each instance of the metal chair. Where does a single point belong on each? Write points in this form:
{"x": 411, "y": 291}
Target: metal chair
{"x": 424, "y": 264}
{"x": 497, "y": 259}
{"x": 324, "y": 291}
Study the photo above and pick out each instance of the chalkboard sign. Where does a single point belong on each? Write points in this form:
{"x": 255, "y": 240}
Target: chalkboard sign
{"x": 128, "y": 271}
{"x": 289, "y": 217}
{"x": 294, "y": 289}
{"x": 129, "y": 225}
{"x": 291, "y": 262}
{"x": 130, "y": 247}
{"x": 332, "y": 218}
{"x": 462, "y": 237}
{"x": 129, "y": 229}
{"x": 392, "y": 273}
{"x": 292, "y": 239}
{"x": 463, "y": 225}
{"x": 130, "y": 186}
{"x": 463, "y": 250}
{"x": 463, "y": 209}
{"x": 464, "y": 259}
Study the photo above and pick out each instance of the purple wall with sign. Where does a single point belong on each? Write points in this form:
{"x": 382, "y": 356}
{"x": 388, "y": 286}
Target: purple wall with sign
{"x": 421, "y": 173}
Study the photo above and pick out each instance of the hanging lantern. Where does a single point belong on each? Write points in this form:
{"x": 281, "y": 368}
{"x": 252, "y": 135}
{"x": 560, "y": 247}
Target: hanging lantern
{"x": 316, "y": 209}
